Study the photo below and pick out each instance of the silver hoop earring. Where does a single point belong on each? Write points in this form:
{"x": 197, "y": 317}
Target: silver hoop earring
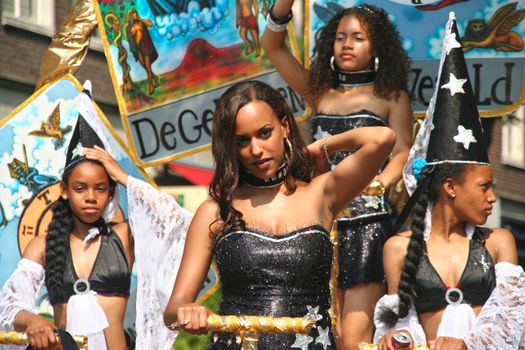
{"x": 290, "y": 147}
{"x": 376, "y": 64}
{"x": 332, "y": 63}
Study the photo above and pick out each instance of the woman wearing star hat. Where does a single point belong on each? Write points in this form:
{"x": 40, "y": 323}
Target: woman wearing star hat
{"x": 85, "y": 260}
{"x": 451, "y": 284}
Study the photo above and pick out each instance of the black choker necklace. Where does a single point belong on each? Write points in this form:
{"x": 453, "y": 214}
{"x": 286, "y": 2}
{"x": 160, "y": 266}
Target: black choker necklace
{"x": 362, "y": 77}
{"x": 276, "y": 180}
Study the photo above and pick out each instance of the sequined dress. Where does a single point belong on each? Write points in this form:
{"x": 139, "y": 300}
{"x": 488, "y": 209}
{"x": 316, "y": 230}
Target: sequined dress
{"x": 276, "y": 275}
{"x": 365, "y": 223}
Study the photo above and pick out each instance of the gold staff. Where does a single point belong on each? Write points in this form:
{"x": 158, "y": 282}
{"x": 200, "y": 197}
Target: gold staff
{"x": 248, "y": 328}
{"x": 19, "y": 338}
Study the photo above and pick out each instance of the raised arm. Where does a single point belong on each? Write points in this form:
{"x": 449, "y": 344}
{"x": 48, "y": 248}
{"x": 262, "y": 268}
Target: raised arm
{"x": 282, "y": 59}
{"x": 195, "y": 263}
{"x": 150, "y": 210}
{"x": 371, "y": 146}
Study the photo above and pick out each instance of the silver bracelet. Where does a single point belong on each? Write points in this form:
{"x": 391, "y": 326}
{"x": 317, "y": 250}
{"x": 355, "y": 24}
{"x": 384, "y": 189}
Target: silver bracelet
{"x": 274, "y": 27}
{"x": 325, "y": 149}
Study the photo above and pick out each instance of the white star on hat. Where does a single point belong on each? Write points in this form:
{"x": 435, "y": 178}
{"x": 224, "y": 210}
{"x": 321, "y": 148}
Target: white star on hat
{"x": 465, "y": 137}
{"x": 450, "y": 42}
{"x": 454, "y": 85}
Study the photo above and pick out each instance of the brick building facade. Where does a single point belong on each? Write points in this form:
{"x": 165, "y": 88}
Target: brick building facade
{"x": 507, "y": 155}
{"x": 26, "y": 30}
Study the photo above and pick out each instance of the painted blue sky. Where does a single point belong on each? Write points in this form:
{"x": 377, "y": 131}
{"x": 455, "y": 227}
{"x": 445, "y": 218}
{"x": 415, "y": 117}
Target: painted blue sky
{"x": 422, "y": 31}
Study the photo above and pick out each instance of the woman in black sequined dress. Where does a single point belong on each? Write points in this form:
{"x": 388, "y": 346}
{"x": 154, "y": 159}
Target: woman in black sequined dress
{"x": 267, "y": 222}
{"x": 357, "y": 78}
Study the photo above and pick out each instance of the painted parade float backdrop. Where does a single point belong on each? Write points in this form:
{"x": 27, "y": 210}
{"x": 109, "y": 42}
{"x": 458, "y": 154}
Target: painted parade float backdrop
{"x": 171, "y": 60}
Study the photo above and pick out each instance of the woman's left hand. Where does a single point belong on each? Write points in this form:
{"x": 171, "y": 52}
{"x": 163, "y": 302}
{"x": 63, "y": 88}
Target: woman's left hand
{"x": 385, "y": 342}
{"x": 316, "y": 152}
{"x": 449, "y": 343}
{"x": 113, "y": 168}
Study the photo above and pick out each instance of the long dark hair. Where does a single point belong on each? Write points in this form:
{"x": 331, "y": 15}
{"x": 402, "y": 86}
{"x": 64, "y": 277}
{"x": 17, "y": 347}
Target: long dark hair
{"x": 57, "y": 239}
{"x": 224, "y": 148}
{"x": 394, "y": 64}
{"x": 407, "y": 280}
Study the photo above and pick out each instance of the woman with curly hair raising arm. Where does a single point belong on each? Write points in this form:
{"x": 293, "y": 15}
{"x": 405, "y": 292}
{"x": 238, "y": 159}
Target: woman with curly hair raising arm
{"x": 358, "y": 78}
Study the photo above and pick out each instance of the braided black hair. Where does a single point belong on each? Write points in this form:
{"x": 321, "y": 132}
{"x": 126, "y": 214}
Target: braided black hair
{"x": 57, "y": 243}
{"x": 414, "y": 253}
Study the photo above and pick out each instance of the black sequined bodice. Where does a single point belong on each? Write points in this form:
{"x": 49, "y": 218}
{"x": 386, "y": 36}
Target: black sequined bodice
{"x": 325, "y": 124}
{"x": 275, "y": 275}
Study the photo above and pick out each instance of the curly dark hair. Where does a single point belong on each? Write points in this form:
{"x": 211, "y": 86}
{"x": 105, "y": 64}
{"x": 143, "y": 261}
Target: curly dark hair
{"x": 407, "y": 280}
{"x": 394, "y": 63}
{"x": 224, "y": 148}
{"x": 57, "y": 239}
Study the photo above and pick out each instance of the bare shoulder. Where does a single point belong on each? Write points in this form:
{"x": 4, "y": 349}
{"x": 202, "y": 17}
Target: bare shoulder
{"x": 123, "y": 230}
{"x": 207, "y": 214}
{"x": 498, "y": 235}
{"x": 394, "y": 253}
{"x": 208, "y": 208}
{"x": 501, "y": 244}
{"x": 398, "y": 243}
{"x": 36, "y": 250}
{"x": 399, "y": 97}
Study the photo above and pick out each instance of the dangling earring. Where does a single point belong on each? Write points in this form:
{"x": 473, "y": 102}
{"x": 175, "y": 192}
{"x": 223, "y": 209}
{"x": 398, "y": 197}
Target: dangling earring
{"x": 332, "y": 63}
{"x": 376, "y": 64}
{"x": 288, "y": 143}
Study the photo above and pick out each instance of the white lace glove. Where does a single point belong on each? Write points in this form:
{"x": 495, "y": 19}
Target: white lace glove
{"x": 20, "y": 292}
{"x": 159, "y": 225}
{"x": 501, "y": 323}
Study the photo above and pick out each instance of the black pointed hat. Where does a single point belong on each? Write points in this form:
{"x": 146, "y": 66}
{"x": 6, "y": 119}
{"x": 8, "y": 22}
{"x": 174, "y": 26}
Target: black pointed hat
{"x": 87, "y": 134}
{"x": 457, "y": 134}
{"x": 452, "y": 130}
{"x": 83, "y": 137}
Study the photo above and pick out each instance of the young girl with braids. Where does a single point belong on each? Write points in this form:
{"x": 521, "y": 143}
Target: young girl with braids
{"x": 357, "y": 78}
{"x": 70, "y": 264}
{"x": 455, "y": 255}
{"x": 451, "y": 284}
{"x": 85, "y": 260}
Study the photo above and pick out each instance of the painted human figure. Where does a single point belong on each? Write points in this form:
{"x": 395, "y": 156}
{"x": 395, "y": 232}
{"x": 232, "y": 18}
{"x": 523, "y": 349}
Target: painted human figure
{"x": 246, "y": 20}
{"x": 141, "y": 45}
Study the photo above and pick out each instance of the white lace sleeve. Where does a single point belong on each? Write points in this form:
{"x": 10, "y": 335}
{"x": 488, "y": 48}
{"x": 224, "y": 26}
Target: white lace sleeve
{"x": 409, "y": 323}
{"x": 148, "y": 207}
{"x": 20, "y": 292}
{"x": 501, "y": 323}
{"x": 159, "y": 225}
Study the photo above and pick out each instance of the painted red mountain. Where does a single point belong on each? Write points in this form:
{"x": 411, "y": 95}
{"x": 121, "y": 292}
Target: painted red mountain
{"x": 205, "y": 66}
